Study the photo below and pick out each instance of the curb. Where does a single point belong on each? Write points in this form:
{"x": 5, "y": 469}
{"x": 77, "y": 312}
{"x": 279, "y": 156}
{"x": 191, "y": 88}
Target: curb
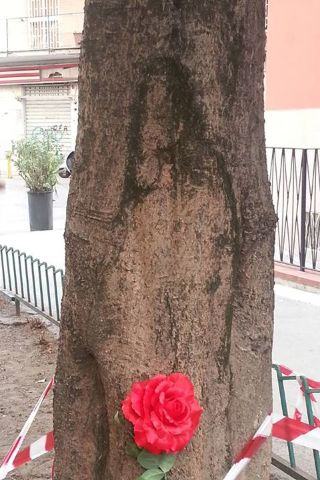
{"x": 292, "y": 276}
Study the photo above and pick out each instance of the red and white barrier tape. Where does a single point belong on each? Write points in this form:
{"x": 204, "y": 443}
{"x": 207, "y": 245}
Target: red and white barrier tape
{"x": 299, "y": 433}
{"x": 41, "y": 446}
{"x": 250, "y": 449}
{"x": 8, "y": 462}
{"x": 283, "y": 428}
{"x": 300, "y": 400}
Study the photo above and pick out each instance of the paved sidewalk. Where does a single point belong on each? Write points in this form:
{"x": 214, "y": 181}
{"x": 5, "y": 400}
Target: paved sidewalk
{"x": 48, "y": 246}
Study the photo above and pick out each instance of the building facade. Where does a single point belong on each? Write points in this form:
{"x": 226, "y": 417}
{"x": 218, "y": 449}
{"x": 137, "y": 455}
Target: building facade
{"x": 39, "y": 53}
{"x": 293, "y": 74}
{"x": 39, "y": 56}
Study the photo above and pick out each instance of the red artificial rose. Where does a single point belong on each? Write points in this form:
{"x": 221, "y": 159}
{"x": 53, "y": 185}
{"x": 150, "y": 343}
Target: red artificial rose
{"x": 164, "y": 413}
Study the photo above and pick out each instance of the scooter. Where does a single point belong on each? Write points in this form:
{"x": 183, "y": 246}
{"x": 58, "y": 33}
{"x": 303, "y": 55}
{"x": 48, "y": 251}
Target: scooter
{"x": 65, "y": 172}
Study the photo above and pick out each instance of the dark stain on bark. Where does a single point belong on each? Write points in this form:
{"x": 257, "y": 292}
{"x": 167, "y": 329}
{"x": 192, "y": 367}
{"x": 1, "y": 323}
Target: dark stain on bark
{"x": 224, "y": 350}
{"x": 186, "y": 129}
{"x": 213, "y": 284}
{"x": 177, "y": 3}
{"x": 174, "y": 330}
{"x": 102, "y": 429}
{"x": 233, "y": 37}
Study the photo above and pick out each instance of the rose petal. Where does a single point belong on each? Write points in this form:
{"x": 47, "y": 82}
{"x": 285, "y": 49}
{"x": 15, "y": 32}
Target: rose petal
{"x": 146, "y": 437}
{"x": 182, "y": 382}
{"x": 156, "y": 421}
{"x": 148, "y": 397}
{"x": 137, "y": 393}
{"x": 128, "y": 411}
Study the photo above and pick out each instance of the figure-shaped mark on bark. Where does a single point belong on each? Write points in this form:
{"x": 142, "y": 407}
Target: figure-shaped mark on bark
{"x": 166, "y": 143}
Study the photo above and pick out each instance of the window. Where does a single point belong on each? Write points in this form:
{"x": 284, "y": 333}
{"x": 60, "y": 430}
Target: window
{"x": 43, "y": 24}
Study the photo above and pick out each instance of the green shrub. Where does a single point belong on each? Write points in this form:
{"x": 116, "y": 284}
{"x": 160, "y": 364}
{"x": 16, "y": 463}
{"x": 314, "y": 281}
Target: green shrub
{"x": 37, "y": 159}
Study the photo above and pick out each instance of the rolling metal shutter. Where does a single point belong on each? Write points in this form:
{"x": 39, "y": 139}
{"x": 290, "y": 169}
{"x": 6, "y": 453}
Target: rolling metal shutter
{"x": 49, "y": 106}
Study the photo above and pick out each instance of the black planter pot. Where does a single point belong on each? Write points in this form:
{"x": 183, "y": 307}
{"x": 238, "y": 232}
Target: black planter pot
{"x": 40, "y": 210}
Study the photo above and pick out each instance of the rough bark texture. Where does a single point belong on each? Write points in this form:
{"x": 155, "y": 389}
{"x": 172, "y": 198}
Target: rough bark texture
{"x": 169, "y": 240}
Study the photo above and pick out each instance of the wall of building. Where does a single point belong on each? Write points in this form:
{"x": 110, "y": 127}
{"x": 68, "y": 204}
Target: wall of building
{"x": 293, "y": 128}
{"x": 70, "y": 28}
{"x": 70, "y": 22}
{"x": 293, "y": 63}
{"x": 14, "y": 8}
{"x": 293, "y": 73}
{"x": 15, "y": 30}
{"x": 11, "y": 120}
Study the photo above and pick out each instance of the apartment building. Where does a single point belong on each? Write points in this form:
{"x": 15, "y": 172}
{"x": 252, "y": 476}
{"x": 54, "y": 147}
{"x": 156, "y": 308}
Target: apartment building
{"x": 39, "y": 56}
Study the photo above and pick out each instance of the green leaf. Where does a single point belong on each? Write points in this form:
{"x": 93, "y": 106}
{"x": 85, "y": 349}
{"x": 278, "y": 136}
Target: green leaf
{"x": 149, "y": 460}
{"x": 167, "y": 462}
{"x": 132, "y": 450}
{"x": 152, "y": 474}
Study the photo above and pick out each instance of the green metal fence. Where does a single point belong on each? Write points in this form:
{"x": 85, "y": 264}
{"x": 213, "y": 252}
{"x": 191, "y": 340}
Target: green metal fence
{"x": 32, "y": 282}
{"x": 291, "y": 468}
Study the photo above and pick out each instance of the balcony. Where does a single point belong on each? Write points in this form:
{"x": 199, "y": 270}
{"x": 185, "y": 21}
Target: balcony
{"x": 40, "y": 35}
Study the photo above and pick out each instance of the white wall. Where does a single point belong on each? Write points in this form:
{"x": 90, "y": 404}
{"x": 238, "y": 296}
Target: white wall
{"x": 293, "y": 128}
{"x": 11, "y": 9}
{"x": 11, "y": 120}
{"x": 14, "y": 8}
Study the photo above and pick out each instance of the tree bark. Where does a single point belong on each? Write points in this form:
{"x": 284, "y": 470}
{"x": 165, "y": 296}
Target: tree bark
{"x": 170, "y": 231}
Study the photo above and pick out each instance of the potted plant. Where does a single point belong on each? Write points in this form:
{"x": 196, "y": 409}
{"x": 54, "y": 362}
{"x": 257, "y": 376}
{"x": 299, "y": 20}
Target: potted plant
{"x": 37, "y": 159}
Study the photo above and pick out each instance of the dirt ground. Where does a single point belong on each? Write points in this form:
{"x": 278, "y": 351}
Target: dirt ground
{"x": 27, "y": 362}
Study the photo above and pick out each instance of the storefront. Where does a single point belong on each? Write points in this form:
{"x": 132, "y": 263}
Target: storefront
{"x": 36, "y": 97}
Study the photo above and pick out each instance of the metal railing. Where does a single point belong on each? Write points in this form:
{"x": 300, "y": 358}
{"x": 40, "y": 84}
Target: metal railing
{"x": 47, "y": 33}
{"x": 290, "y": 468}
{"x": 294, "y": 176}
{"x": 32, "y": 282}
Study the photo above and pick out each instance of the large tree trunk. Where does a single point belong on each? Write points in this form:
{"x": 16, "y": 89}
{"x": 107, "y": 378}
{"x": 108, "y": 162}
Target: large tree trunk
{"x": 169, "y": 239}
